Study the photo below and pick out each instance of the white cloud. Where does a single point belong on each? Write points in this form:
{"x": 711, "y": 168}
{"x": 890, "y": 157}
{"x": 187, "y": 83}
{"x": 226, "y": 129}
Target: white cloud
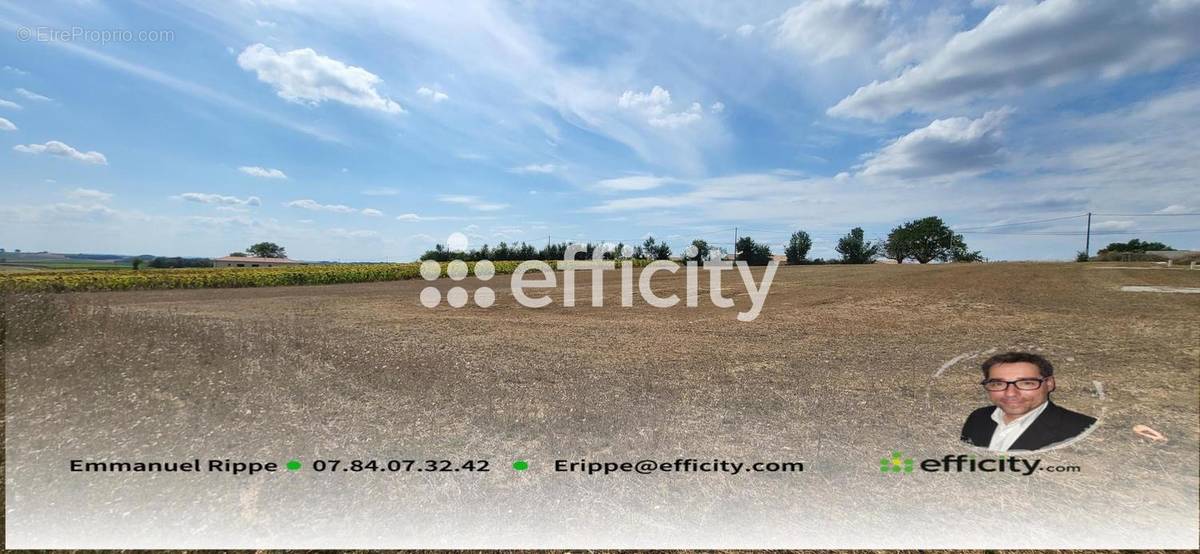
{"x": 435, "y": 95}
{"x": 1113, "y": 225}
{"x": 911, "y": 44}
{"x": 30, "y": 95}
{"x": 957, "y": 145}
{"x": 89, "y": 194}
{"x": 15, "y": 70}
{"x": 655, "y": 101}
{"x": 9, "y": 104}
{"x": 654, "y": 106}
{"x": 6, "y": 125}
{"x": 219, "y": 199}
{"x": 536, "y": 168}
{"x": 745, "y": 30}
{"x": 635, "y": 182}
{"x": 1175, "y": 209}
{"x": 353, "y": 234}
{"x": 639, "y": 203}
{"x": 264, "y": 172}
{"x": 1024, "y": 44}
{"x": 416, "y": 218}
{"x": 1147, "y": 148}
{"x": 822, "y": 30}
{"x": 678, "y": 119}
{"x": 717, "y": 107}
{"x": 313, "y": 205}
{"x": 264, "y": 23}
{"x": 305, "y": 77}
{"x": 56, "y": 148}
{"x": 471, "y": 202}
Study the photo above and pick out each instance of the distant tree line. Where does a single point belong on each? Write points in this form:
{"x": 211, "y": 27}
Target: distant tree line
{"x": 163, "y": 262}
{"x": 1135, "y": 245}
{"x": 923, "y": 240}
{"x": 1133, "y": 250}
{"x": 649, "y": 249}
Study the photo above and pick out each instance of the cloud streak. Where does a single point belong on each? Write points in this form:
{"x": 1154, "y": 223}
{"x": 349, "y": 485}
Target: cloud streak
{"x": 63, "y": 150}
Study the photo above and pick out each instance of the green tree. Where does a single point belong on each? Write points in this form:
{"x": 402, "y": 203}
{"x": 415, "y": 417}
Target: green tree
{"x": 267, "y": 250}
{"x": 655, "y": 250}
{"x": 701, "y": 251}
{"x": 1135, "y": 245}
{"x": 137, "y": 263}
{"x": 962, "y": 255}
{"x": 928, "y": 239}
{"x": 896, "y": 246}
{"x": 798, "y": 247}
{"x": 855, "y": 249}
{"x": 753, "y": 253}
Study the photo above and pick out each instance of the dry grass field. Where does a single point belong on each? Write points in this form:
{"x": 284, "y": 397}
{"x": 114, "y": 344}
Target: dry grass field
{"x": 845, "y": 365}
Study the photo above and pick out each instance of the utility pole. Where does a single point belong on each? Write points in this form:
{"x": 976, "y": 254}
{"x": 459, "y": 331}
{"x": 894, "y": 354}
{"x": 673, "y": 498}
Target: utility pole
{"x": 735, "y": 252}
{"x": 1087, "y": 244}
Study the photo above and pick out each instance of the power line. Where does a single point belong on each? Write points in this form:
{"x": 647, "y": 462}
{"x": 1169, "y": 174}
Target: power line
{"x": 1151, "y": 215}
{"x": 1080, "y": 234}
{"x": 1015, "y": 223}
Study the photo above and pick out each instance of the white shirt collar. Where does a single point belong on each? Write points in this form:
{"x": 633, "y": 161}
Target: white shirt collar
{"x": 1007, "y": 433}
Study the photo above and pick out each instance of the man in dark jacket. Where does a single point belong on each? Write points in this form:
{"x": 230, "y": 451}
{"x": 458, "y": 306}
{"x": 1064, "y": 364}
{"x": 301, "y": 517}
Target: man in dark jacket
{"x": 1023, "y": 417}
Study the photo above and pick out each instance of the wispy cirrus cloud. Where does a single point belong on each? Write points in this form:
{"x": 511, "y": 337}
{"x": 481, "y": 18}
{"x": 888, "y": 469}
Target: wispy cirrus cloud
{"x": 632, "y": 182}
{"x": 1021, "y": 44}
{"x": 30, "y": 95}
{"x": 537, "y": 168}
{"x": 219, "y": 199}
{"x": 472, "y": 202}
{"x": 314, "y": 206}
{"x": 88, "y": 194}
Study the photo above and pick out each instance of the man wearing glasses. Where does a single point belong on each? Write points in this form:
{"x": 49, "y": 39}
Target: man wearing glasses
{"x": 1024, "y": 418}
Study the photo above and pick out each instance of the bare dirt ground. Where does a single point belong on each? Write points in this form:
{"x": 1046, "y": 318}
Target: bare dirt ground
{"x": 845, "y": 365}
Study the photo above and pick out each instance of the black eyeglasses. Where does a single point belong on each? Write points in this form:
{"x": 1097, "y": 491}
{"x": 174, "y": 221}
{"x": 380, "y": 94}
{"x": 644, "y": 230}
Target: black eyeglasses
{"x": 996, "y": 385}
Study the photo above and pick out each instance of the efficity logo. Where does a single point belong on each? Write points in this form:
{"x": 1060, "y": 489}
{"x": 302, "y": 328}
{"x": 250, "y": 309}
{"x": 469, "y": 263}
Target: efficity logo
{"x": 896, "y": 464}
{"x": 962, "y": 463}
{"x": 525, "y": 287}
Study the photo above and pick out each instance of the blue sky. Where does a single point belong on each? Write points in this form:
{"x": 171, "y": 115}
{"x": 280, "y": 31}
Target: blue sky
{"x": 350, "y": 130}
